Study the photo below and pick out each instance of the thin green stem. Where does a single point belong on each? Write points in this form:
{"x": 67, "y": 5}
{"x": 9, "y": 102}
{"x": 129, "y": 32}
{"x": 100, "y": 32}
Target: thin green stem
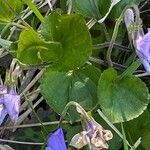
{"x": 124, "y": 138}
{"x": 36, "y": 115}
{"x": 118, "y": 22}
{"x": 111, "y": 125}
{"x": 34, "y": 9}
{"x": 130, "y": 70}
{"x": 109, "y": 51}
{"x": 5, "y": 29}
{"x": 79, "y": 109}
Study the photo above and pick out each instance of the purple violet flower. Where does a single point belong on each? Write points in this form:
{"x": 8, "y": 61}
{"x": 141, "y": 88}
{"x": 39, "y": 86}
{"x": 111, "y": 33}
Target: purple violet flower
{"x": 141, "y": 42}
{"x": 56, "y": 141}
{"x": 9, "y": 103}
{"x": 12, "y": 104}
{"x": 94, "y": 135}
{"x": 142, "y": 45}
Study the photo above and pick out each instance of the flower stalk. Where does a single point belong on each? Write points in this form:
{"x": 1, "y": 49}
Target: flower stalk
{"x": 93, "y": 134}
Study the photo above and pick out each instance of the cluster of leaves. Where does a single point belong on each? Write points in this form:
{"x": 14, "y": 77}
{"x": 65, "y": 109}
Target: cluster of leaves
{"x": 64, "y": 43}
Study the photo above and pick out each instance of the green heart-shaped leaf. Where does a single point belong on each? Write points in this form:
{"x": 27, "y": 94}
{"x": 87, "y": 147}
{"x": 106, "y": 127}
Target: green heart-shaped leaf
{"x": 122, "y": 100}
{"x": 9, "y": 9}
{"x": 58, "y": 88}
{"x": 88, "y": 8}
{"x": 71, "y": 31}
{"x": 33, "y": 50}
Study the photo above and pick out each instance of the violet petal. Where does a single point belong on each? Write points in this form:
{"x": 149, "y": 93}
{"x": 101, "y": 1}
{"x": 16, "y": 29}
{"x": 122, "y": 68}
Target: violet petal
{"x": 143, "y": 50}
{"x": 3, "y": 113}
{"x": 12, "y": 104}
{"x": 56, "y": 141}
{"x": 1, "y": 99}
{"x": 80, "y": 140}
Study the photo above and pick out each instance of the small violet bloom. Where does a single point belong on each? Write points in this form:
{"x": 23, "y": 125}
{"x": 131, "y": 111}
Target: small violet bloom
{"x": 140, "y": 40}
{"x": 93, "y": 135}
{"x": 9, "y": 103}
{"x": 56, "y": 141}
{"x": 142, "y": 45}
